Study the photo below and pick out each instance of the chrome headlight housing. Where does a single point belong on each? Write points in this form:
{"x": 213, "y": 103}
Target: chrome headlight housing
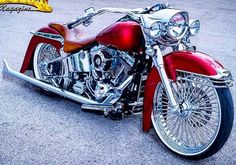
{"x": 166, "y": 26}
{"x": 177, "y": 26}
{"x": 155, "y": 29}
{"x": 194, "y": 27}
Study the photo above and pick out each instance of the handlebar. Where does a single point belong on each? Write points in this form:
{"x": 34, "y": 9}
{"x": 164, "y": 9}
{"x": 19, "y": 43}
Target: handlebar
{"x": 78, "y": 21}
{"x": 87, "y": 17}
{"x": 73, "y": 24}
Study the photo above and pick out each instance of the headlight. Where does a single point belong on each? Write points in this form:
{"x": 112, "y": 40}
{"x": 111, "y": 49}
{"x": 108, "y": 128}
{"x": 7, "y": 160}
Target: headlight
{"x": 194, "y": 27}
{"x": 177, "y": 26}
{"x": 155, "y": 29}
{"x": 166, "y": 26}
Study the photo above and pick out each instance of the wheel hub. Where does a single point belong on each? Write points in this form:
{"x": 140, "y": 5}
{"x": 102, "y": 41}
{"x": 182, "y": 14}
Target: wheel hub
{"x": 185, "y": 109}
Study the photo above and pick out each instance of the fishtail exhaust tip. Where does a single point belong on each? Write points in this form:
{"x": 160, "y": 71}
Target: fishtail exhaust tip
{"x": 6, "y": 69}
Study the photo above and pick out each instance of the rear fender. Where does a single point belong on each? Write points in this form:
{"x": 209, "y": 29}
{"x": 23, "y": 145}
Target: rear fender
{"x": 35, "y": 40}
{"x": 195, "y": 62}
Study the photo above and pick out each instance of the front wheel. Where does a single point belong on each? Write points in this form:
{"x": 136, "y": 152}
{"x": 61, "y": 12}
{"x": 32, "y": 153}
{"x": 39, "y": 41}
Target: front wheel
{"x": 203, "y": 122}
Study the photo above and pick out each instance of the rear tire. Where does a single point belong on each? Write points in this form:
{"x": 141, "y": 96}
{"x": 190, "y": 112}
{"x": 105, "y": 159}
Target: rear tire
{"x": 183, "y": 137}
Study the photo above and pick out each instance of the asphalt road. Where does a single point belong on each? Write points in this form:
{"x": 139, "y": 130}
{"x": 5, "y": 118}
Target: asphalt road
{"x": 39, "y": 129}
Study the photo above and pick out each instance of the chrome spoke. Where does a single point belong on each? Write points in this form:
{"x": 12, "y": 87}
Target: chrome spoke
{"x": 206, "y": 114}
{"x": 196, "y": 132}
{"x": 186, "y": 133}
{"x": 205, "y": 126}
{"x": 199, "y": 94}
{"x": 206, "y": 101}
{"x": 199, "y": 99}
{"x": 190, "y": 132}
{"x": 208, "y": 121}
{"x": 199, "y": 128}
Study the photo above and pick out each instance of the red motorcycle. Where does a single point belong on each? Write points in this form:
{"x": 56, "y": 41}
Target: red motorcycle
{"x": 123, "y": 70}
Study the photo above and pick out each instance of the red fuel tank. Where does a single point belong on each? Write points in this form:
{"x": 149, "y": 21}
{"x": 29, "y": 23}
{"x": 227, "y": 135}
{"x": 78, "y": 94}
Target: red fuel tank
{"x": 125, "y": 36}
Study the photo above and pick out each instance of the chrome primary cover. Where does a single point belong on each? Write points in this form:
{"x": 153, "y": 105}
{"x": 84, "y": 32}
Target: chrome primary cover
{"x": 194, "y": 128}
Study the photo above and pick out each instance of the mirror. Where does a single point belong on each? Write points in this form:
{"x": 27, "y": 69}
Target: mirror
{"x": 89, "y": 10}
{"x": 158, "y": 7}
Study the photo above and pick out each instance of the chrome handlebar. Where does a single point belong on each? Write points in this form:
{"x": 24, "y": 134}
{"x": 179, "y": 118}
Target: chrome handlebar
{"x": 86, "y": 18}
{"x": 120, "y": 10}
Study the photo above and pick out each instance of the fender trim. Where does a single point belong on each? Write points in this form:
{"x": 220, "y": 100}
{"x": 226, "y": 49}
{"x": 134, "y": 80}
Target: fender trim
{"x": 35, "y": 40}
{"x": 195, "y": 62}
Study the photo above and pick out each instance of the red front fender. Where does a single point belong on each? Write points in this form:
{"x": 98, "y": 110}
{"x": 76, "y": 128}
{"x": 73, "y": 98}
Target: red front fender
{"x": 35, "y": 40}
{"x": 195, "y": 62}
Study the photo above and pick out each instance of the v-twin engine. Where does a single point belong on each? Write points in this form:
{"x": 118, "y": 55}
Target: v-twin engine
{"x": 109, "y": 64}
{"x": 108, "y": 69}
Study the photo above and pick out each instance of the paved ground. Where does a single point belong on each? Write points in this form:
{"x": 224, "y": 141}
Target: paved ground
{"x": 39, "y": 129}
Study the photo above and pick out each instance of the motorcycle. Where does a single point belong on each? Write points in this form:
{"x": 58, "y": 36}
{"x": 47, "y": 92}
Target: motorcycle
{"x": 184, "y": 95}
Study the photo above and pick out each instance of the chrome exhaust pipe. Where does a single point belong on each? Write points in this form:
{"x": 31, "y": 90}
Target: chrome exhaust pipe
{"x": 62, "y": 92}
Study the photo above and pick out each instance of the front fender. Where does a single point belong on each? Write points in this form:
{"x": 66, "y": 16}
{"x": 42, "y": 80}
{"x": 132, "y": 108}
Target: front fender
{"x": 190, "y": 61}
{"x": 35, "y": 40}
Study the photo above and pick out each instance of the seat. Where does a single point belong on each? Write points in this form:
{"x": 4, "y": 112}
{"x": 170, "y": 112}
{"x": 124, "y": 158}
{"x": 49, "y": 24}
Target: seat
{"x": 73, "y": 38}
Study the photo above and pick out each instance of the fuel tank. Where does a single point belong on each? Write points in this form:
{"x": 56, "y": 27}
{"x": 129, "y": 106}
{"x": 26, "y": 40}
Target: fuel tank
{"x": 125, "y": 36}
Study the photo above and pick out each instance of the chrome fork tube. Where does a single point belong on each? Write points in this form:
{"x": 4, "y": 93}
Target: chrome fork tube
{"x": 158, "y": 62}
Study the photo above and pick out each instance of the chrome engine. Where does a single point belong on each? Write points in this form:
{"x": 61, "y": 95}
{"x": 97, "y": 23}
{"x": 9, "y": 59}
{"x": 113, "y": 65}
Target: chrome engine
{"x": 106, "y": 69}
{"x": 109, "y": 69}
{"x": 110, "y": 64}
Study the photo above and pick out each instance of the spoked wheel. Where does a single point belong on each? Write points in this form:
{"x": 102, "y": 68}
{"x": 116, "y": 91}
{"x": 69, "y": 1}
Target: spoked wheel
{"x": 42, "y": 70}
{"x": 203, "y": 122}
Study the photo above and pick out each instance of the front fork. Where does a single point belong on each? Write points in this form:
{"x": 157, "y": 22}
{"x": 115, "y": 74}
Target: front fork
{"x": 157, "y": 58}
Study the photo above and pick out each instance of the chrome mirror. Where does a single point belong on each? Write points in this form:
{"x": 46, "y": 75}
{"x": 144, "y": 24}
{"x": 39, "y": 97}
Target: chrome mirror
{"x": 89, "y": 10}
